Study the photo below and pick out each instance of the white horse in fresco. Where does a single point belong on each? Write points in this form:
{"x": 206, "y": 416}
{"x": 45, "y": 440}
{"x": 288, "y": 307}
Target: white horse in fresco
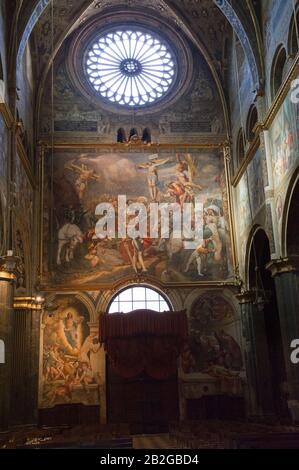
{"x": 68, "y": 236}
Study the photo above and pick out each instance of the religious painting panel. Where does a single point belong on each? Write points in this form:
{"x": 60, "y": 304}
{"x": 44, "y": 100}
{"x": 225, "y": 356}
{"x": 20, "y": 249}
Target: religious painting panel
{"x": 71, "y": 369}
{"x": 251, "y": 191}
{"x": 284, "y": 134}
{"x": 214, "y": 350}
{"x": 78, "y": 180}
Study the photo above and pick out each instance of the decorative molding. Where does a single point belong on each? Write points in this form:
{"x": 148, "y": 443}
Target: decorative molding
{"x": 114, "y": 287}
{"x": 254, "y": 146}
{"x": 283, "y": 265}
{"x": 7, "y": 116}
{"x": 25, "y": 161}
{"x": 138, "y": 147}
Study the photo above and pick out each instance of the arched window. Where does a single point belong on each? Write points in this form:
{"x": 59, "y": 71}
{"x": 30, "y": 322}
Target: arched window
{"x": 133, "y": 133}
{"x": 139, "y": 297}
{"x": 240, "y": 146}
{"x": 251, "y": 122}
{"x": 278, "y": 69}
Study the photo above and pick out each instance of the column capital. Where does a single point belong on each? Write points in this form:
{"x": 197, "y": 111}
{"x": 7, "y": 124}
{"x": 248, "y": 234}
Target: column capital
{"x": 6, "y": 276}
{"x": 27, "y": 303}
{"x": 283, "y": 265}
{"x": 246, "y": 297}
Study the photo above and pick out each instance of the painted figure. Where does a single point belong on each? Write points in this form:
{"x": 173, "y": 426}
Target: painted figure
{"x": 152, "y": 177}
{"x": 85, "y": 174}
{"x": 68, "y": 236}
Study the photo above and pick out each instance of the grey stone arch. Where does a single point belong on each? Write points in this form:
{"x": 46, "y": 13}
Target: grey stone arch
{"x": 248, "y": 251}
{"x": 293, "y": 45}
{"x": 290, "y": 200}
{"x": 263, "y": 325}
{"x": 35, "y": 13}
{"x": 234, "y": 13}
{"x": 266, "y": 225}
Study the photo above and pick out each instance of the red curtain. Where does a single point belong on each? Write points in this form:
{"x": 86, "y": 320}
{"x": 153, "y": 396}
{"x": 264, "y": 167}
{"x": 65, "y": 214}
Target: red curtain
{"x": 144, "y": 341}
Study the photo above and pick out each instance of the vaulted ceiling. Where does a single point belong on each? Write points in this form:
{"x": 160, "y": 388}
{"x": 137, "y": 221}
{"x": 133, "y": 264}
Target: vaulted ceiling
{"x": 207, "y": 22}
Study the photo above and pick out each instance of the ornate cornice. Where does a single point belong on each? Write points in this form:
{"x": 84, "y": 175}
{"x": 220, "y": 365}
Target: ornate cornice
{"x": 137, "y": 147}
{"x": 283, "y": 265}
{"x": 5, "y": 276}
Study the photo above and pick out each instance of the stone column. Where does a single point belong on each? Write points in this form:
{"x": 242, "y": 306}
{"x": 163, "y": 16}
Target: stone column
{"x": 25, "y": 361}
{"x": 286, "y": 276}
{"x": 6, "y": 312}
{"x": 259, "y": 394}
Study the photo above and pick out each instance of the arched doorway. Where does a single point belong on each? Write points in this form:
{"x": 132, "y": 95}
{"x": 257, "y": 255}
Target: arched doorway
{"x": 266, "y": 324}
{"x": 292, "y": 239}
{"x": 140, "y": 396}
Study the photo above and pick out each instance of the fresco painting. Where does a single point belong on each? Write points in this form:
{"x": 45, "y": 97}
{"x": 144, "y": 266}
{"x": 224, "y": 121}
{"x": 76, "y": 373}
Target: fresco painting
{"x": 71, "y": 366}
{"x": 257, "y": 182}
{"x": 284, "y": 140}
{"x": 243, "y": 221}
{"x": 251, "y": 191}
{"x": 214, "y": 348}
{"x": 80, "y": 181}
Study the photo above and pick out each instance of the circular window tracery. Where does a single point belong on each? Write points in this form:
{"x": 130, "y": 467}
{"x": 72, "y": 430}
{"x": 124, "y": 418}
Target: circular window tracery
{"x": 130, "y": 67}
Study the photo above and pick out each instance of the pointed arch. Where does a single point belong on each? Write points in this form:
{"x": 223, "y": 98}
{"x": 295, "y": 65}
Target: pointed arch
{"x": 233, "y": 17}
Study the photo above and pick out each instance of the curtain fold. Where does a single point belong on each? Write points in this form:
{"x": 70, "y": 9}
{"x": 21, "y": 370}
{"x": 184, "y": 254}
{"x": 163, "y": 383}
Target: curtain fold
{"x": 144, "y": 341}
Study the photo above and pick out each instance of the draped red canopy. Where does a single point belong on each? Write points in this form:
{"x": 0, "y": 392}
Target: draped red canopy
{"x": 144, "y": 341}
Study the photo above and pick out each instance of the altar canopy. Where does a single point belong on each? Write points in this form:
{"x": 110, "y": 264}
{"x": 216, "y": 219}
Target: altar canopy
{"x": 144, "y": 341}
